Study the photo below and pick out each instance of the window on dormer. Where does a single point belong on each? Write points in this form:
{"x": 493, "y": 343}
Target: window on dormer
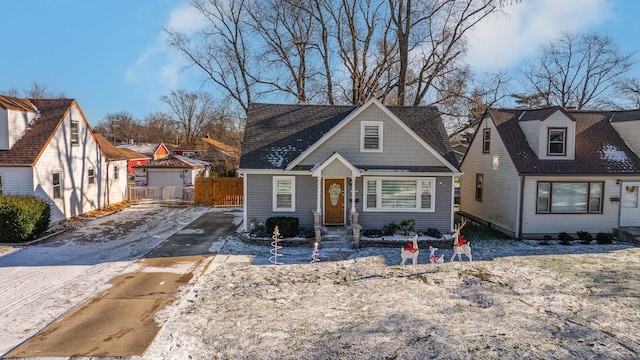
{"x": 486, "y": 141}
{"x": 557, "y": 142}
{"x": 371, "y": 136}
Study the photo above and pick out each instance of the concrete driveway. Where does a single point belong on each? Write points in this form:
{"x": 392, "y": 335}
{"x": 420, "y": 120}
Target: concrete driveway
{"x": 121, "y": 320}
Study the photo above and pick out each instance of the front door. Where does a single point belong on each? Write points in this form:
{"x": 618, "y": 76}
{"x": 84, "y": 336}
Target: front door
{"x": 334, "y": 201}
{"x": 630, "y": 204}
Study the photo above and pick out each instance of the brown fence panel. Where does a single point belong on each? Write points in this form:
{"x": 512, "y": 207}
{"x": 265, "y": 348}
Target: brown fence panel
{"x": 219, "y": 191}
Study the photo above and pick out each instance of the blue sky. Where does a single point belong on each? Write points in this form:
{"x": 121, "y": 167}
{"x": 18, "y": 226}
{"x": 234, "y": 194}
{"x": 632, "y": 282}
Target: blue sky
{"x": 111, "y": 55}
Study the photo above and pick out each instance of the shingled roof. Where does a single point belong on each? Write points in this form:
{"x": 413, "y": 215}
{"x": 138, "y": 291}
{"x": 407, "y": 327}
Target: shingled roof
{"x": 27, "y": 150}
{"x": 292, "y": 129}
{"x": 173, "y": 162}
{"x": 599, "y": 149}
{"x": 111, "y": 152}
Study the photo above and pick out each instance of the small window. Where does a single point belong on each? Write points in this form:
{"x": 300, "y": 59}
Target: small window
{"x": 74, "y": 133}
{"x": 57, "y": 189}
{"x": 92, "y": 176}
{"x": 557, "y": 141}
{"x": 0, "y": 185}
{"x": 479, "y": 184}
{"x": 115, "y": 173}
{"x": 486, "y": 141}
{"x": 284, "y": 193}
{"x": 371, "y": 136}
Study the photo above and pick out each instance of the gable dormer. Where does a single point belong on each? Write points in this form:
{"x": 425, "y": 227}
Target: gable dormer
{"x": 627, "y": 124}
{"x": 15, "y": 116}
{"x": 551, "y": 133}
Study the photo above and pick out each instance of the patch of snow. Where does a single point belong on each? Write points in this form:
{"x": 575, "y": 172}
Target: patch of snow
{"x": 613, "y": 153}
{"x": 277, "y": 155}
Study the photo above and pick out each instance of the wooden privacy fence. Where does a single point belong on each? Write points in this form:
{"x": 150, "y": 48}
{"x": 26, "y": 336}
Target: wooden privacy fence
{"x": 219, "y": 191}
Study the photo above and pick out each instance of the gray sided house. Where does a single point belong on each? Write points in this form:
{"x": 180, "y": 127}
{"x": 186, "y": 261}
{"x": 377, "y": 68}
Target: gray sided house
{"x": 357, "y": 166}
{"x": 529, "y": 173}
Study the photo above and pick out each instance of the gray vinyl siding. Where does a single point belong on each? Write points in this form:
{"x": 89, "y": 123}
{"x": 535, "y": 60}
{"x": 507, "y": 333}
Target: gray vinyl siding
{"x": 399, "y": 147}
{"x": 439, "y": 219}
{"x": 259, "y": 200}
{"x": 259, "y": 203}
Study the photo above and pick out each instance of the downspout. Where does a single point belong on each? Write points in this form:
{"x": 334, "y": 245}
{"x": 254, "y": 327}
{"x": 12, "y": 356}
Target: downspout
{"x": 107, "y": 162}
{"x": 521, "y": 209}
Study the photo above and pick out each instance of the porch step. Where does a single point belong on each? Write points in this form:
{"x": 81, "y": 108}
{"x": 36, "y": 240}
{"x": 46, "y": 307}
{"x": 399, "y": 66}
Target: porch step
{"x": 337, "y": 244}
{"x": 629, "y": 235}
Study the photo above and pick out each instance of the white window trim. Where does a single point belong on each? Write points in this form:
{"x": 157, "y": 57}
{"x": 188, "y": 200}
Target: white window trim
{"x": 379, "y": 124}
{"x": 60, "y": 184}
{"x": 89, "y": 177}
{"x": 275, "y": 194}
{"x": 418, "y": 208}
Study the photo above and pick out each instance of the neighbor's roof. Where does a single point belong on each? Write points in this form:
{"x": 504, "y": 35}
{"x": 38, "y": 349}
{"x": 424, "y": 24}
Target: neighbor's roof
{"x": 27, "y": 150}
{"x": 174, "y": 161}
{"x": 599, "y": 149}
{"x": 292, "y": 129}
{"x": 132, "y": 155}
{"x": 12, "y": 103}
{"x": 206, "y": 143}
{"x": 110, "y": 151}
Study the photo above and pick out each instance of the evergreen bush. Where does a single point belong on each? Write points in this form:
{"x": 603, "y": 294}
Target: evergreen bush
{"x": 287, "y": 225}
{"x": 23, "y": 218}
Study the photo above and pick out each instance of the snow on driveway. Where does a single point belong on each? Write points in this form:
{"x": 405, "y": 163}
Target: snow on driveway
{"x": 40, "y": 282}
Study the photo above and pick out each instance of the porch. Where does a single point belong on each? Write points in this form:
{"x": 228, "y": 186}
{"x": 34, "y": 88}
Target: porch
{"x": 630, "y": 235}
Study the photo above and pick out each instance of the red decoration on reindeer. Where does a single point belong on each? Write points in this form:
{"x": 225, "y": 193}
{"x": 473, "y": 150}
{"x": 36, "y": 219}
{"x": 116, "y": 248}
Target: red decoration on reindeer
{"x": 460, "y": 245}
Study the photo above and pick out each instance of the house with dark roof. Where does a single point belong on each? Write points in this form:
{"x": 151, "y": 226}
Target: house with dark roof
{"x": 530, "y": 173}
{"x": 47, "y": 149}
{"x": 355, "y": 166}
{"x": 174, "y": 171}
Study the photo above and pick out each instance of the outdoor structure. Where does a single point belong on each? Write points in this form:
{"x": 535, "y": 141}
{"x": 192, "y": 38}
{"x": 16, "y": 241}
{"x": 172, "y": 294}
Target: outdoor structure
{"x": 175, "y": 170}
{"x": 47, "y": 149}
{"x": 114, "y": 171}
{"x": 152, "y": 150}
{"x": 359, "y": 166}
{"x": 133, "y": 158}
{"x": 529, "y": 173}
{"x": 222, "y": 156}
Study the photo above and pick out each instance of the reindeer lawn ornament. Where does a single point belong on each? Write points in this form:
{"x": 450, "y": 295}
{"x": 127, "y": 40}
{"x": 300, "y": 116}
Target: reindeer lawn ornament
{"x": 410, "y": 252}
{"x": 460, "y": 245}
{"x": 434, "y": 259}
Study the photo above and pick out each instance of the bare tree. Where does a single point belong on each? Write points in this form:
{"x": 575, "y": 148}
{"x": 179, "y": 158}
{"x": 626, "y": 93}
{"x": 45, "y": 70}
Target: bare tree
{"x": 118, "y": 127}
{"x": 36, "y": 91}
{"x": 629, "y": 90}
{"x": 159, "y": 127}
{"x": 578, "y": 70}
{"x": 192, "y": 110}
{"x": 221, "y": 49}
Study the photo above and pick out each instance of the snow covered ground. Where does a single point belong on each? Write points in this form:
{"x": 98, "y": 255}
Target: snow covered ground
{"x": 518, "y": 299}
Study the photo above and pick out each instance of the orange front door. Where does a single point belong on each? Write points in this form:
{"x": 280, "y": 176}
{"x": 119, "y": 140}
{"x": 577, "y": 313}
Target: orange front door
{"x": 334, "y": 201}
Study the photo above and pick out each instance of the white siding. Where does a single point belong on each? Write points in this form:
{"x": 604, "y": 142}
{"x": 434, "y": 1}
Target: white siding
{"x": 537, "y": 225}
{"x": 16, "y": 180}
{"x": 13, "y": 123}
{"x": 531, "y": 130}
{"x": 499, "y": 205}
{"x": 557, "y": 120}
{"x": 117, "y": 187}
{"x": 73, "y": 164}
{"x": 399, "y": 147}
{"x": 630, "y": 132}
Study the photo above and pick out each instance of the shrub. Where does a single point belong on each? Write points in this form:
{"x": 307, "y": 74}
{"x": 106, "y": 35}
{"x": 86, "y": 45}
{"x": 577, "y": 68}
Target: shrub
{"x": 260, "y": 231}
{"x": 546, "y": 239}
{"x": 565, "y": 238}
{"x": 604, "y": 238}
{"x": 373, "y": 233}
{"x": 434, "y": 233}
{"x": 306, "y": 233}
{"x": 287, "y": 225}
{"x": 391, "y": 228}
{"x": 407, "y": 226}
{"x": 584, "y": 236}
{"x": 23, "y": 218}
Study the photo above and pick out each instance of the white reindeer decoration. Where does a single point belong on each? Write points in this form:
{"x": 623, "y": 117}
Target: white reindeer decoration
{"x": 410, "y": 252}
{"x": 433, "y": 258}
{"x": 460, "y": 245}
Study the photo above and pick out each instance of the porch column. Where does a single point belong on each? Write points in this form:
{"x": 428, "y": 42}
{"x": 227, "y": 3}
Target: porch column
{"x": 353, "y": 194}
{"x": 319, "y": 196}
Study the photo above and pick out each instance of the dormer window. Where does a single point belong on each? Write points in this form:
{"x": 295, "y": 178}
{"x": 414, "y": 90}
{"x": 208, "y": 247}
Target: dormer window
{"x": 486, "y": 140}
{"x": 557, "y": 141}
{"x": 371, "y": 136}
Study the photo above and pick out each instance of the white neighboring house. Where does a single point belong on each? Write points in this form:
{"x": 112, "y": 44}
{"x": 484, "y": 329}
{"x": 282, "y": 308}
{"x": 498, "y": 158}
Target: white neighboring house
{"x": 115, "y": 171}
{"x": 174, "y": 170}
{"x": 529, "y": 173}
{"x": 47, "y": 149}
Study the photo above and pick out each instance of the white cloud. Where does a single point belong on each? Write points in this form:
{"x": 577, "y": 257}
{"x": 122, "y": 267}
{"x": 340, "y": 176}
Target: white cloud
{"x": 157, "y": 70}
{"x": 505, "y": 39}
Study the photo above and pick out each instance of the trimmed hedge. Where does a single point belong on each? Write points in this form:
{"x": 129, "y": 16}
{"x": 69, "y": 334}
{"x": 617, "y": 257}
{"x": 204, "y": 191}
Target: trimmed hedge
{"x": 23, "y": 218}
{"x": 287, "y": 225}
